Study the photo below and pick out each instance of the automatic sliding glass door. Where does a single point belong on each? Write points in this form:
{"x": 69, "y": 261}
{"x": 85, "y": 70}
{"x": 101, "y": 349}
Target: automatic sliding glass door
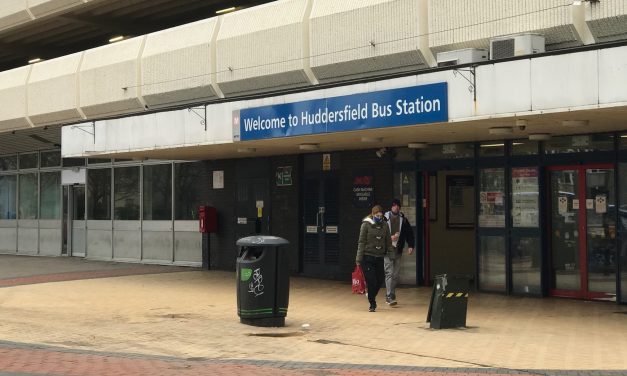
{"x": 583, "y": 232}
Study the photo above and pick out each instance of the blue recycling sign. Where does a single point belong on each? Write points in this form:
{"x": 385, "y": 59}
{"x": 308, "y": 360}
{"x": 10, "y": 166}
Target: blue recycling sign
{"x": 388, "y": 108}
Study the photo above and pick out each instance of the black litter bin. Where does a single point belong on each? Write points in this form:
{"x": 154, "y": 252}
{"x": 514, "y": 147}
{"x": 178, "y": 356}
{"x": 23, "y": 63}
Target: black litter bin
{"x": 449, "y": 302}
{"x": 263, "y": 283}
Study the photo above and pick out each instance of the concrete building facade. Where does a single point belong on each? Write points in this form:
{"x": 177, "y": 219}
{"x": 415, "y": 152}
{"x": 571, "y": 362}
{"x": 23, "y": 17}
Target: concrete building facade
{"x": 500, "y": 125}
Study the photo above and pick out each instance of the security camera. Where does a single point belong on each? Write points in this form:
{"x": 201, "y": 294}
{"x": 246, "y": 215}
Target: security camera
{"x": 521, "y": 124}
{"x": 381, "y": 152}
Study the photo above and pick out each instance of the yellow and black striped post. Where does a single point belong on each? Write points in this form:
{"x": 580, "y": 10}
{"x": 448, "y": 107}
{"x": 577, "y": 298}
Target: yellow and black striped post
{"x": 449, "y": 302}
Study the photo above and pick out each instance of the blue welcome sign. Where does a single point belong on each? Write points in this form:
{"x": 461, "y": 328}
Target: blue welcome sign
{"x": 389, "y": 108}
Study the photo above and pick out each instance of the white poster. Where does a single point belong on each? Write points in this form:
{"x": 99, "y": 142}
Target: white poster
{"x": 601, "y": 204}
{"x": 575, "y": 204}
{"x": 218, "y": 180}
{"x": 589, "y": 204}
{"x": 581, "y": 140}
{"x": 449, "y": 149}
{"x": 562, "y": 205}
{"x": 326, "y": 162}
{"x": 525, "y": 197}
{"x": 491, "y": 220}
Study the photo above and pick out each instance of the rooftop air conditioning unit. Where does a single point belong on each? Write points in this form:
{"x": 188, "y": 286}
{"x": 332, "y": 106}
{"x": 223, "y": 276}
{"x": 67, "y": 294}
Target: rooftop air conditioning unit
{"x": 459, "y": 57}
{"x": 516, "y": 45}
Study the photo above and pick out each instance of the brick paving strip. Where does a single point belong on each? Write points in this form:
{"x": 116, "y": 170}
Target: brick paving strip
{"x": 24, "y": 359}
{"x": 75, "y": 276}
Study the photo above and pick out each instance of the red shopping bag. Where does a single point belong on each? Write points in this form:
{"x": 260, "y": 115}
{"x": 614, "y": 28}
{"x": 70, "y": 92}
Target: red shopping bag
{"x": 359, "y": 282}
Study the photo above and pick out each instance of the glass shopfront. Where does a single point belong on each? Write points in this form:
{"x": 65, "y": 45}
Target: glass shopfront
{"x": 622, "y": 218}
{"x": 405, "y": 187}
{"x": 492, "y": 242}
{"x": 583, "y": 231}
{"x": 525, "y": 242}
{"x": 548, "y": 222}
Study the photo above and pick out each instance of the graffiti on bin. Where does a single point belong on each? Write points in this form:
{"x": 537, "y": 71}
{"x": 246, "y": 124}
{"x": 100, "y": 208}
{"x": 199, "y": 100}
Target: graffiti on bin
{"x": 256, "y": 287}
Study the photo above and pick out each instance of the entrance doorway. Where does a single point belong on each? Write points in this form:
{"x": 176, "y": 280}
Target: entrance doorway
{"x": 450, "y": 246}
{"x": 74, "y": 225}
{"x": 583, "y": 231}
{"x": 321, "y": 220}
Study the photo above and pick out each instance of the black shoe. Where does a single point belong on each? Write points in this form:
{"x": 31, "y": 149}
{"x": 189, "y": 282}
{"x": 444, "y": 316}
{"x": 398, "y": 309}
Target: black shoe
{"x": 371, "y": 309}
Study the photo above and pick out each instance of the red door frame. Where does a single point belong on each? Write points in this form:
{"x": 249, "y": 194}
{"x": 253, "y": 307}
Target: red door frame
{"x": 583, "y": 292}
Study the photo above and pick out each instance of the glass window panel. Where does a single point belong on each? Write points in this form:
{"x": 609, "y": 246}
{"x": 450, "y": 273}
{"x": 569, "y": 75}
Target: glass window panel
{"x": 448, "y": 151}
{"x": 492, "y": 263}
{"x": 492, "y": 149}
{"x": 460, "y": 201}
{"x": 28, "y": 160}
{"x": 565, "y": 266}
{"x": 525, "y": 197}
{"x": 526, "y": 266}
{"x": 158, "y": 192}
{"x": 622, "y": 218}
{"x": 50, "y": 195}
{"x": 73, "y": 162}
{"x": 405, "y": 191}
{"x": 623, "y": 141}
{"x": 126, "y": 188}
{"x": 579, "y": 144}
{"x": 28, "y": 196}
{"x": 99, "y": 194}
{"x": 188, "y": 191}
{"x": 51, "y": 158}
{"x": 8, "y": 163}
{"x": 491, "y": 198}
{"x": 601, "y": 230}
{"x": 93, "y": 161}
{"x": 8, "y": 190}
{"x": 524, "y": 147}
{"x": 79, "y": 203}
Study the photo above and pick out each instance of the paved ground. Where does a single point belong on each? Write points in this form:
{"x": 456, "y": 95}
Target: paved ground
{"x": 61, "y": 316}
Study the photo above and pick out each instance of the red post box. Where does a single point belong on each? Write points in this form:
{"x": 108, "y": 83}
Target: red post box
{"x": 207, "y": 219}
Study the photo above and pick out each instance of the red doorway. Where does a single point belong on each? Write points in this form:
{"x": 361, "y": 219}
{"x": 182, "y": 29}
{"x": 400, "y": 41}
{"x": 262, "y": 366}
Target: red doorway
{"x": 582, "y": 226}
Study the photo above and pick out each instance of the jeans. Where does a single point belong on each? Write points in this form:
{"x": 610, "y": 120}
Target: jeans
{"x": 392, "y": 270}
{"x": 374, "y": 274}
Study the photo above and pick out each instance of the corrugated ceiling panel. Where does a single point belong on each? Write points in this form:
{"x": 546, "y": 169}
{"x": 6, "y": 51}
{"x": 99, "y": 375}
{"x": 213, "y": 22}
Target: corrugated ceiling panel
{"x": 262, "y": 47}
{"x": 13, "y": 13}
{"x": 176, "y": 64}
{"x": 457, "y": 24}
{"x": 109, "y": 78}
{"x": 13, "y": 99}
{"x": 352, "y": 38}
{"x": 53, "y": 91}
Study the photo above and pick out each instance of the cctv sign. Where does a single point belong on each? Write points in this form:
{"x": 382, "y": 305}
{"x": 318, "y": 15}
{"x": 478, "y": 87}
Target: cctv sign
{"x": 380, "y": 109}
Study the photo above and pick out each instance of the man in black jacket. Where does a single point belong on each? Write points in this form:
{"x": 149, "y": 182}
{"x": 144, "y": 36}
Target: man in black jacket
{"x": 402, "y": 234}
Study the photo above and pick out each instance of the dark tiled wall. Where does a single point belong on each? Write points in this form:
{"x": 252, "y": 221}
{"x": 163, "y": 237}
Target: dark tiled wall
{"x": 282, "y": 206}
{"x": 223, "y": 250}
{"x": 286, "y": 208}
{"x": 351, "y": 217}
{"x": 285, "y": 214}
